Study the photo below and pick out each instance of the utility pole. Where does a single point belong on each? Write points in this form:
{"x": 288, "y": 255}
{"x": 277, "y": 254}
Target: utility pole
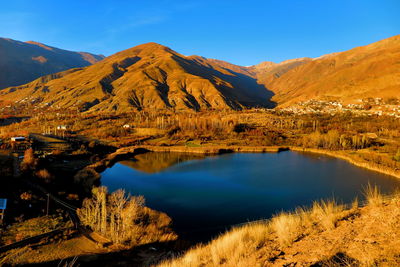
{"x": 48, "y": 202}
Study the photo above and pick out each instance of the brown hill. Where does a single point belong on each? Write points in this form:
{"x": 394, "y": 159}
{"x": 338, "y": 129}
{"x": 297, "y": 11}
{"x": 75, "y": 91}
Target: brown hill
{"x": 147, "y": 76}
{"x": 266, "y": 72}
{"x": 23, "y": 62}
{"x": 368, "y": 71}
{"x": 152, "y": 76}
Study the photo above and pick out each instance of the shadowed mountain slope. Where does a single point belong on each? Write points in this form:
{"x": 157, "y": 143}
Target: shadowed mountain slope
{"x": 22, "y": 62}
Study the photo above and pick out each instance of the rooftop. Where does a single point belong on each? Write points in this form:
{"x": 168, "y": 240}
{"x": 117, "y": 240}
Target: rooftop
{"x": 3, "y": 203}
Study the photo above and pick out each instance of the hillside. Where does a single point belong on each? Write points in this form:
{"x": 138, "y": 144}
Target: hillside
{"x": 325, "y": 235}
{"x": 148, "y": 76}
{"x": 266, "y": 72}
{"x": 362, "y": 72}
{"x": 152, "y": 76}
{"x": 22, "y": 62}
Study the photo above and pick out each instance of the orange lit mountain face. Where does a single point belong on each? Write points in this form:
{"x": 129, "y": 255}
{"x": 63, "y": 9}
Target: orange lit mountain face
{"x": 152, "y": 76}
{"x": 367, "y": 71}
{"x": 23, "y": 62}
{"x": 147, "y": 76}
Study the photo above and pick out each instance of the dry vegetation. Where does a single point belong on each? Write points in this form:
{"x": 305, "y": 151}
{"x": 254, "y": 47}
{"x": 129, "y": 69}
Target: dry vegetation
{"x": 124, "y": 219}
{"x": 32, "y": 227}
{"x": 119, "y": 222}
{"x": 327, "y": 234}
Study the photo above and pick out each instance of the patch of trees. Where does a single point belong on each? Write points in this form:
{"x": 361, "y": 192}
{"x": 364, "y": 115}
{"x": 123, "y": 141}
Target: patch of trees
{"x": 116, "y": 216}
{"x": 124, "y": 219}
{"x": 333, "y": 140}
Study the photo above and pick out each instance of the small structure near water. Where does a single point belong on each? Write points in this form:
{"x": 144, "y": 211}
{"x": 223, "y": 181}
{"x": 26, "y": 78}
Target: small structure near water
{"x": 3, "y": 206}
{"x": 17, "y": 139}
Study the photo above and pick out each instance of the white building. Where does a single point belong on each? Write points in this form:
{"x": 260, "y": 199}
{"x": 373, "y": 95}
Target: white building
{"x": 17, "y": 139}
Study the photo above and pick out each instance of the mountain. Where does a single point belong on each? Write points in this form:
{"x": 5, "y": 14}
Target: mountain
{"x": 152, "y": 76}
{"x": 266, "y": 72}
{"x": 147, "y": 76}
{"x": 368, "y": 71}
{"x": 22, "y": 62}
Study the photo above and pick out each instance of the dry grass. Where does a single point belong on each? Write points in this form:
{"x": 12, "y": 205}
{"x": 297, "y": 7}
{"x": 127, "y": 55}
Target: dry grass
{"x": 327, "y": 213}
{"x": 237, "y": 248}
{"x": 32, "y": 227}
{"x": 327, "y": 234}
{"x": 373, "y": 195}
{"x": 288, "y": 227}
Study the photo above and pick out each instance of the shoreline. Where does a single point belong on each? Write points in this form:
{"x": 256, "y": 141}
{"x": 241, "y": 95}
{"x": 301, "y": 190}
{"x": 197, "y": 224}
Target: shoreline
{"x": 131, "y": 151}
{"x": 340, "y": 155}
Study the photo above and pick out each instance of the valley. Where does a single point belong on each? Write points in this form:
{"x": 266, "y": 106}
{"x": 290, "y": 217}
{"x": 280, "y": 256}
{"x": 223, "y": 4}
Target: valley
{"x": 185, "y": 131}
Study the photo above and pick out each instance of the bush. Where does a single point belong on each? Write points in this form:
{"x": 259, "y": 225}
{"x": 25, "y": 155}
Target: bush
{"x": 242, "y": 127}
{"x": 29, "y": 162}
{"x": 287, "y": 227}
{"x": 397, "y": 156}
{"x": 373, "y": 195}
{"x": 113, "y": 215}
{"x": 87, "y": 178}
{"x": 44, "y": 175}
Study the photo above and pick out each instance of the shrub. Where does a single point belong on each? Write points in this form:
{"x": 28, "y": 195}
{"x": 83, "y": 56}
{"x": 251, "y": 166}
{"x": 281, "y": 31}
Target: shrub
{"x": 397, "y": 156}
{"x": 287, "y": 227}
{"x": 56, "y": 152}
{"x": 373, "y": 195}
{"x": 242, "y": 127}
{"x": 29, "y": 162}
{"x": 26, "y": 196}
{"x": 44, "y": 175}
{"x": 326, "y": 213}
{"x": 87, "y": 178}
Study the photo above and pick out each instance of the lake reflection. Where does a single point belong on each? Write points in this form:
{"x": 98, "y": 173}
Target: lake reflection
{"x": 205, "y": 195}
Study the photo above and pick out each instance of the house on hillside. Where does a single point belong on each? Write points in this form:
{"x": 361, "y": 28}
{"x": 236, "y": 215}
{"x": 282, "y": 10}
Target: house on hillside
{"x": 62, "y": 127}
{"x": 17, "y": 139}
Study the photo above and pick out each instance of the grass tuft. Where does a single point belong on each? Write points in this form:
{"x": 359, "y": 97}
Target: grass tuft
{"x": 287, "y": 227}
{"x": 373, "y": 195}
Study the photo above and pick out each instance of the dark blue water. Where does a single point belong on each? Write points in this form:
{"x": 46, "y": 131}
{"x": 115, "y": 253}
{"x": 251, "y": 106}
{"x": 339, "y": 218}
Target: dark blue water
{"x": 206, "y": 195}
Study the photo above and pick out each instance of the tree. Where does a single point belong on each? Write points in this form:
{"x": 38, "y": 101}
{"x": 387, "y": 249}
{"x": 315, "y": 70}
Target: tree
{"x": 114, "y": 215}
{"x": 29, "y": 162}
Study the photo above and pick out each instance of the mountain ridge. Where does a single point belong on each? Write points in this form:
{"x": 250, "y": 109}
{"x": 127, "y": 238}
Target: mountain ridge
{"x": 148, "y": 76}
{"x": 365, "y": 71}
{"x": 23, "y": 62}
{"x": 153, "y": 76}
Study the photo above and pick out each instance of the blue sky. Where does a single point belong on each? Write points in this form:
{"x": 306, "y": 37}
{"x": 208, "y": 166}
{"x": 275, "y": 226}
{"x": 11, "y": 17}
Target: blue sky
{"x": 241, "y": 32}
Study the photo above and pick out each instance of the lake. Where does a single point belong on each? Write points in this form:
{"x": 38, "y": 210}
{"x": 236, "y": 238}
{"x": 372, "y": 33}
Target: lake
{"x": 205, "y": 195}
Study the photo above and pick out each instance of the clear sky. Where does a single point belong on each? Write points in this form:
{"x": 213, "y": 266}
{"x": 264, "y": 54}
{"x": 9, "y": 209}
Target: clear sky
{"x": 242, "y": 32}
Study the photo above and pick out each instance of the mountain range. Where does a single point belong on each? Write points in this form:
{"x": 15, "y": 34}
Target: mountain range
{"x": 152, "y": 76}
{"x": 22, "y": 62}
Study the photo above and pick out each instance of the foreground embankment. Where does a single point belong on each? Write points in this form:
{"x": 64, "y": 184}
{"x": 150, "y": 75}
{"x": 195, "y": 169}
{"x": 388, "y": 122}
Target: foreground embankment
{"x": 327, "y": 234}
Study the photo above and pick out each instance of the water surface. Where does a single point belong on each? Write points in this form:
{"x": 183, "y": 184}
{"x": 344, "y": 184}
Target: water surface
{"x": 204, "y": 196}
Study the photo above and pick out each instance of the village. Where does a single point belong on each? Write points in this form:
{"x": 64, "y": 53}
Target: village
{"x": 363, "y": 107}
